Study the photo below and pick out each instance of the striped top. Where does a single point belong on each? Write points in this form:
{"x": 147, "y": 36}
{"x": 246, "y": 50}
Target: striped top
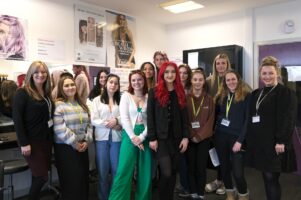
{"x": 71, "y": 124}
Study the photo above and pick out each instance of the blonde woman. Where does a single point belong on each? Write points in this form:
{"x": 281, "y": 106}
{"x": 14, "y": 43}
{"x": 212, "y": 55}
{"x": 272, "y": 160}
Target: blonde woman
{"x": 32, "y": 115}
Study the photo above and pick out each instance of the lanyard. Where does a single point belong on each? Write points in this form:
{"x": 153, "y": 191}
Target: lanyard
{"x": 195, "y": 113}
{"x": 77, "y": 109}
{"x": 228, "y": 105}
{"x": 258, "y": 102}
{"x": 49, "y": 105}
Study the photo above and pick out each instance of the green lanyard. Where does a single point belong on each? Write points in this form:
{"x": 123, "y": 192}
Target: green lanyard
{"x": 195, "y": 113}
{"x": 229, "y": 101}
{"x": 77, "y": 109}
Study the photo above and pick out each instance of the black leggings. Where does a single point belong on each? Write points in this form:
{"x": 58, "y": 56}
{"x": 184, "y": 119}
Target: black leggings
{"x": 168, "y": 168}
{"x": 272, "y": 185}
{"x": 36, "y": 185}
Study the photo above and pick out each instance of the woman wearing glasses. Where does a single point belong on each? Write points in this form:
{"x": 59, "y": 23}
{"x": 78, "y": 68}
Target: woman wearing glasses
{"x": 134, "y": 150}
{"x": 167, "y": 125}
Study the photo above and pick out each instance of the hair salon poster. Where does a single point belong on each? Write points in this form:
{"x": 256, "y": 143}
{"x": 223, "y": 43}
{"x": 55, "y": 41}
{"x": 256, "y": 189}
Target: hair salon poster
{"x": 90, "y": 35}
{"x": 121, "y": 37}
{"x": 13, "y": 38}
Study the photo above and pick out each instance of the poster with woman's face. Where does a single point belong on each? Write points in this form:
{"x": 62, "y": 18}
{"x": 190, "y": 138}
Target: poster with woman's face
{"x": 12, "y": 38}
{"x": 121, "y": 46}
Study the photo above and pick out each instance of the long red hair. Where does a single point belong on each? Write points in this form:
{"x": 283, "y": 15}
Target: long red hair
{"x": 161, "y": 92}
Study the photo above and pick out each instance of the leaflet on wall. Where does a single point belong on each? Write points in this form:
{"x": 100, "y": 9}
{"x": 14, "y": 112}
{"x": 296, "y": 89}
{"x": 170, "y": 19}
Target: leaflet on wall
{"x": 50, "y": 50}
{"x": 90, "y": 35}
{"x": 13, "y": 38}
{"x": 121, "y": 32}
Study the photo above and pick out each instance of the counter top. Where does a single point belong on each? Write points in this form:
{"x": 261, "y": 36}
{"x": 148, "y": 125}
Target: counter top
{"x": 8, "y": 140}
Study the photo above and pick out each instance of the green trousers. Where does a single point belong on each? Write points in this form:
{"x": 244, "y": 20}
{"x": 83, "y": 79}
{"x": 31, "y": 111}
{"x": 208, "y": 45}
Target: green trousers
{"x": 131, "y": 156}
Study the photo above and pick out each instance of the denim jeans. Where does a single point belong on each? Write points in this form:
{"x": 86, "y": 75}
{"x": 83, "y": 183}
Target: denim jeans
{"x": 107, "y": 156}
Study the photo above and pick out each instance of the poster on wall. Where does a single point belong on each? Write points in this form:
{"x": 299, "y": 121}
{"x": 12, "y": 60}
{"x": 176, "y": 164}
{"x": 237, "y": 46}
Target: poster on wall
{"x": 90, "y": 35}
{"x": 121, "y": 32}
{"x": 123, "y": 74}
{"x": 13, "y": 38}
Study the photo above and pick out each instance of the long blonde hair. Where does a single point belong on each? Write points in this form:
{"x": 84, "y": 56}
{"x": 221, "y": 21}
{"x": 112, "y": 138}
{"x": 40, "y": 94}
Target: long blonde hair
{"x": 214, "y": 72}
{"x": 29, "y": 82}
{"x": 242, "y": 89}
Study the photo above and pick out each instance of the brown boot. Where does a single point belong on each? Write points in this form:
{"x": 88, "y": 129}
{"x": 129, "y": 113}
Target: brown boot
{"x": 231, "y": 194}
{"x": 243, "y": 196}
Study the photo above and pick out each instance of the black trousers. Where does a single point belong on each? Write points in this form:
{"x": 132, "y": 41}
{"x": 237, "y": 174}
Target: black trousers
{"x": 197, "y": 156}
{"x": 230, "y": 162}
{"x": 73, "y": 172}
{"x": 272, "y": 185}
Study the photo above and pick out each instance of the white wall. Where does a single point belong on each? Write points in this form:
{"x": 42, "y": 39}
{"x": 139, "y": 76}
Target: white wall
{"x": 245, "y": 28}
{"x": 270, "y": 19}
{"x": 54, "y": 19}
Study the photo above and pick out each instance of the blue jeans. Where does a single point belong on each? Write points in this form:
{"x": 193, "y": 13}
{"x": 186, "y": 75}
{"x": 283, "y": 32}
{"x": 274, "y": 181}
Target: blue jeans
{"x": 107, "y": 156}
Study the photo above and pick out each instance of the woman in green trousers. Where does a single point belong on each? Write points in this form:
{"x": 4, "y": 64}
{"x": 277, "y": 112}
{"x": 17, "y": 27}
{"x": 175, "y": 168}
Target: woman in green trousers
{"x": 134, "y": 150}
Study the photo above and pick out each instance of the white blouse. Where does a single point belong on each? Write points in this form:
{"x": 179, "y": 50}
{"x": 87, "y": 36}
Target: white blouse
{"x": 100, "y": 113}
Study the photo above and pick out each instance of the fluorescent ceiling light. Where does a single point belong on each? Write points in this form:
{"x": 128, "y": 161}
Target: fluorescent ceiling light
{"x": 179, "y": 6}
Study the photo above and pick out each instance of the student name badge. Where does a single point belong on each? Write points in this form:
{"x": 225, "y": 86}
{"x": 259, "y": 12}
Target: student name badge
{"x": 256, "y": 119}
{"x": 50, "y": 123}
{"x": 225, "y": 122}
{"x": 195, "y": 124}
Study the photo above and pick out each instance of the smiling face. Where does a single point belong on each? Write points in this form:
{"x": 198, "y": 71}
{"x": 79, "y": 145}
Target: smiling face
{"x": 39, "y": 76}
{"x": 148, "y": 70}
{"x": 102, "y": 78}
{"x": 170, "y": 74}
{"x": 137, "y": 82}
{"x": 231, "y": 81}
{"x": 221, "y": 66}
{"x": 69, "y": 88}
{"x": 112, "y": 85}
{"x": 269, "y": 75}
{"x": 197, "y": 81}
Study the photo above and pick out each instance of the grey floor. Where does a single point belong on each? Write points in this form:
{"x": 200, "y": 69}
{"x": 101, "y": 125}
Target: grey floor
{"x": 291, "y": 188}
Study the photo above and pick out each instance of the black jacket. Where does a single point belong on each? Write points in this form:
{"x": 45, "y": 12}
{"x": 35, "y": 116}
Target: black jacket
{"x": 277, "y": 121}
{"x": 157, "y": 118}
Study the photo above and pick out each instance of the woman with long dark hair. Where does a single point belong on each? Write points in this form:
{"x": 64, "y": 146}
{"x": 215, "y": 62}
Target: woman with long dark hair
{"x": 167, "y": 125}
{"x": 106, "y": 118}
{"x": 99, "y": 85}
{"x": 72, "y": 134}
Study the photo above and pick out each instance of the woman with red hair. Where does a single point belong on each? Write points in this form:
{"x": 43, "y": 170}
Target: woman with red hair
{"x": 167, "y": 125}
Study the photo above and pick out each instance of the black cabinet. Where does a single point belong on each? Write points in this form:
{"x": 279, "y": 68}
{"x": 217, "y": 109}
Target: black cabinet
{"x": 207, "y": 55}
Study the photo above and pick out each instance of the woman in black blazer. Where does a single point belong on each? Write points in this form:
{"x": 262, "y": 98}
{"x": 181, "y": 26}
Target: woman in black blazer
{"x": 167, "y": 125}
{"x": 271, "y": 124}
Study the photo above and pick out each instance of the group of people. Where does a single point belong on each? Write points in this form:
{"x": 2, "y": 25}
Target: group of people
{"x": 170, "y": 116}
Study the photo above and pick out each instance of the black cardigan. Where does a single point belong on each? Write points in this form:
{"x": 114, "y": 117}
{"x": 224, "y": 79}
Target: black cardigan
{"x": 277, "y": 120}
{"x": 157, "y": 118}
{"x": 31, "y": 118}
